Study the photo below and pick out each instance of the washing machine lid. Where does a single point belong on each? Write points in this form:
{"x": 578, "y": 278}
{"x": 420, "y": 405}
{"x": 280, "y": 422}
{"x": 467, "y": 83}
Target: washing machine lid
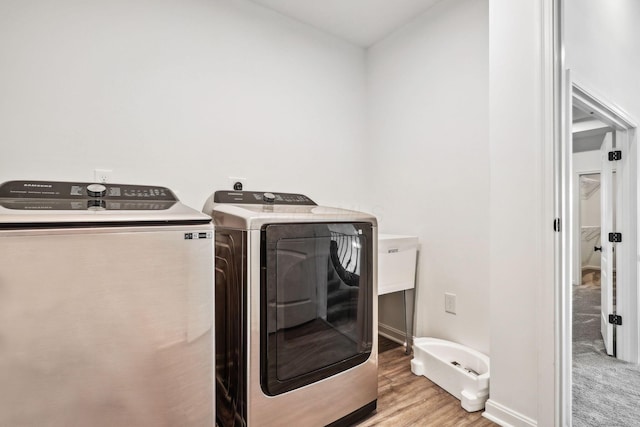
{"x": 47, "y": 204}
{"x": 250, "y": 210}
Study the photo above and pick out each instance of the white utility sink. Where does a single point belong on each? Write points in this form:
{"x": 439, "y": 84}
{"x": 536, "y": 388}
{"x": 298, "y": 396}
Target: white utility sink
{"x": 396, "y": 262}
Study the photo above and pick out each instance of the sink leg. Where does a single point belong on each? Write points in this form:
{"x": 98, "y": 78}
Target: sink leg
{"x": 407, "y": 350}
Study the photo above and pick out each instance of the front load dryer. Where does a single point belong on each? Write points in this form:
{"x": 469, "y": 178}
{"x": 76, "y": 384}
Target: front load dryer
{"x": 106, "y": 307}
{"x": 296, "y": 323}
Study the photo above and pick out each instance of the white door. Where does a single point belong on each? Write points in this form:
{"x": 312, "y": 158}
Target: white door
{"x": 606, "y": 227}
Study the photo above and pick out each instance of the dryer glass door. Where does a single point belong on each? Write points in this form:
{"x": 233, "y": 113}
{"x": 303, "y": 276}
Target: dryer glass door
{"x": 316, "y": 302}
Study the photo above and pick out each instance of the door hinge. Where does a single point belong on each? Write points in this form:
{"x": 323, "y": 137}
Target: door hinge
{"x": 615, "y": 237}
{"x": 556, "y": 225}
{"x": 615, "y": 155}
{"x": 614, "y": 319}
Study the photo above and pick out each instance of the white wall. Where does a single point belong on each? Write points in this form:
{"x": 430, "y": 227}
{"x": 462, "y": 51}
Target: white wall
{"x": 428, "y": 115}
{"x": 601, "y": 45}
{"x": 521, "y": 215}
{"x": 589, "y": 227}
{"x": 182, "y": 94}
{"x": 392, "y": 321}
{"x": 584, "y": 162}
{"x": 590, "y": 210}
{"x": 601, "y": 50}
{"x": 587, "y": 163}
{"x": 186, "y": 93}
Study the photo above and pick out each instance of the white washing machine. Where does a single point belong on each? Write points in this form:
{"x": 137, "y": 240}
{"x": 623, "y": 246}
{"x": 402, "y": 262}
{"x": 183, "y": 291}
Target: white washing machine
{"x": 106, "y": 307}
{"x": 296, "y": 311}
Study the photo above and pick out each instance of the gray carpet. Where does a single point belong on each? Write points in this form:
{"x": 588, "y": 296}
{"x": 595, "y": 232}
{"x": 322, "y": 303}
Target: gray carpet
{"x": 606, "y": 391}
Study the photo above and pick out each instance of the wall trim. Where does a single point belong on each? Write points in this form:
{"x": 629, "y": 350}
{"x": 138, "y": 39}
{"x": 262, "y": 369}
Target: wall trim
{"x": 550, "y": 104}
{"x": 506, "y": 417}
{"x": 391, "y": 333}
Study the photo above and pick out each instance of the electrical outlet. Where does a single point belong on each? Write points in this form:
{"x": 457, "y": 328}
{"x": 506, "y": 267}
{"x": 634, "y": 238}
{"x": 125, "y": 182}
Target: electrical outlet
{"x": 233, "y": 183}
{"x": 450, "y": 303}
{"x": 102, "y": 175}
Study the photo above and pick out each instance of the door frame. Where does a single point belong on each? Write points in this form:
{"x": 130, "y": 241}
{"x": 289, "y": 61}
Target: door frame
{"x": 576, "y": 93}
{"x": 627, "y": 218}
{"x": 608, "y": 223}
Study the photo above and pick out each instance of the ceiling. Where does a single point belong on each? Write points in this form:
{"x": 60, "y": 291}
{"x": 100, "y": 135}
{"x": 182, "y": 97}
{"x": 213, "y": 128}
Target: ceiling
{"x": 588, "y": 132}
{"x": 579, "y": 115}
{"x": 362, "y": 22}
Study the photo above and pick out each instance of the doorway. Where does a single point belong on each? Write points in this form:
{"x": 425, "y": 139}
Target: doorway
{"x": 601, "y": 314}
{"x": 593, "y": 293}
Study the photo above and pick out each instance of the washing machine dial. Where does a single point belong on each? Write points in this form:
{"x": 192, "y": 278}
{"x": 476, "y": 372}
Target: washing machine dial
{"x": 269, "y": 197}
{"x": 96, "y": 190}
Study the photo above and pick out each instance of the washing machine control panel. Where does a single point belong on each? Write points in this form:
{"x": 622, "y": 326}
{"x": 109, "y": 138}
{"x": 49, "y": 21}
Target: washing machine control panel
{"x": 261, "y": 198}
{"x": 49, "y": 195}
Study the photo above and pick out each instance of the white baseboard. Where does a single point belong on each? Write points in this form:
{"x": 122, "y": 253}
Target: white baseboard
{"x": 506, "y": 417}
{"x": 391, "y": 333}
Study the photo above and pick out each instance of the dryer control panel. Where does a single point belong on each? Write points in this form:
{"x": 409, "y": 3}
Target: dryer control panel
{"x": 261, "y": 198}
{"x": 56, "y": 195}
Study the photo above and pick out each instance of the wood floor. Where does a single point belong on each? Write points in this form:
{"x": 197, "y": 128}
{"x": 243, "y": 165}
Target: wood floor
{"x": 405, "y": 399}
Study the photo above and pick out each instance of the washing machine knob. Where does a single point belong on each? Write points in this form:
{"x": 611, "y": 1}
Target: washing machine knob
{"x": 96, "y": 190}
{"x": 269, "y": 197}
